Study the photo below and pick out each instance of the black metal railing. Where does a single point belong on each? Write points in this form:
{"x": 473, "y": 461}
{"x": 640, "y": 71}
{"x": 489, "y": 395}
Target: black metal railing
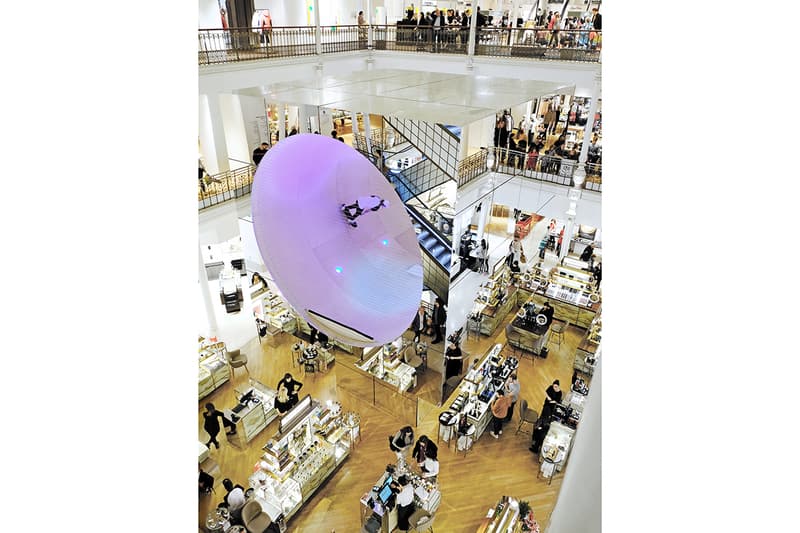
{"x": 213, "y": 190}
{"x": 472, "y": 167}
{"x": 246, "y": 44}
{"x": 540, "y": 43}
{"x": 547, "y": 168}
{"x": 216, "y": 46}
{"x": 343, "y": 38}
{"x": 447, "y": 40}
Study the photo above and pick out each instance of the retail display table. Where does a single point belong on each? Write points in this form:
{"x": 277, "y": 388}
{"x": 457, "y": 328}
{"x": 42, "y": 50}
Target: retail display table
{"x": 254, "y": 415}
{"x": 475, "y": 394}
{"x": 214, "y": 370}
{"x": 426, "y": 496}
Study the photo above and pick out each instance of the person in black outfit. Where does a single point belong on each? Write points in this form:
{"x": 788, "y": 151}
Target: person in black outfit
{"x": 587, "y": 253}
{"x": 423, "y": 449}
{"x": 418, "y": 325}
{"x": 453, "y": 360}
{"x": 598, "y": 273}
{"x": 548, "y": 311}
{"x": 553, "y": 396}
{"x": 292, "y": 386}
{"x": 597, "y": 20}
{"x": 439, "y": 320}
{"x": 211, "y": 424}
{"x": 541, "y": 427}
{"x": 205, "y": 482}
{"x": 258, "y": 153}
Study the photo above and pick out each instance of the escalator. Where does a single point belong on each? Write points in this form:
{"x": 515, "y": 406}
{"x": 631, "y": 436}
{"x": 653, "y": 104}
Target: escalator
{"x": 433, "y": 242}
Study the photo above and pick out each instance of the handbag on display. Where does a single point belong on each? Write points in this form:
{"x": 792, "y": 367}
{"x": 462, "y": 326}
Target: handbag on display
{"x": 522, "y": 258}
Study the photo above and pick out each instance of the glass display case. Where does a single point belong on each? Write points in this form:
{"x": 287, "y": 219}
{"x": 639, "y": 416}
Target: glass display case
{"x": 213, "y": 368}
{"x": 297, "y": 460}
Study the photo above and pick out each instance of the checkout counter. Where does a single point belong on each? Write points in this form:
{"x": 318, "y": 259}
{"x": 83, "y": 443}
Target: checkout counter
{"x": 474, "y": 395}
{"x": 253, "y": 413}
{"x": 378, "y": 505}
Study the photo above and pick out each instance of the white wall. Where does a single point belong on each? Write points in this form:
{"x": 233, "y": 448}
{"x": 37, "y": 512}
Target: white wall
{"x": 578, "y": 507}
{"x": 287, "y": 12}
{"x": 208, "y": 14}
{"x": 235, "y": 136}
{"x": 252, "y": 108}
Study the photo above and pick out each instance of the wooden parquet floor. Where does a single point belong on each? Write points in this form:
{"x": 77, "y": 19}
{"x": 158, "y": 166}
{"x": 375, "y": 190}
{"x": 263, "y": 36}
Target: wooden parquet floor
{"x": 470, "y": 485}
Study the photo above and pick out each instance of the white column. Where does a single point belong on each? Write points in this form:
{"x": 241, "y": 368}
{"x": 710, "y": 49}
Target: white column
{"x": 581, "y": 487}
{"x": 282, "y": 120}
{"x": 570, "y": 227}
{"x": 367, "y": 132}
{"x": 472, "y": 31}
{"x": 587, "y": 131}
{"x": 208, "y": 302}
{"x": 318, "y": 28}
{"x": 369, "y": 24}
{"x": 218, "y": 146}
{"x": 354, "y": 120}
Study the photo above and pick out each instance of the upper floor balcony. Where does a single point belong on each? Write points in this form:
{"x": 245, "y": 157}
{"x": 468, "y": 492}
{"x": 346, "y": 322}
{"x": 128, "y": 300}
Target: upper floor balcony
{"x": 220, "y": 46}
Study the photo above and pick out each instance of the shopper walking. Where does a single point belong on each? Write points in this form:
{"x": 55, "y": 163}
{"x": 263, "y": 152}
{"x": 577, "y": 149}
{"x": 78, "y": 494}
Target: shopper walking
{"x": 292, "y": 387}
{"x": 362, "y": 26}
{"x": 512, "y": 389}
{"x": 266, "y": 27}
{"x": 439, "y": 320}
{"x": 418, "y": 325}
{"x": 211, "y": 418}
{"x": 499, "y": 411}
{"x": 259, "y": 152}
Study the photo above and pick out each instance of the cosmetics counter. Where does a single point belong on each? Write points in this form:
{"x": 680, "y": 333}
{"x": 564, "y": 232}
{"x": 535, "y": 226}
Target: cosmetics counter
{"x": 555, "y": 449}
{"x": 475, "y": 394}
{"x": 375, "y": 506}
{"x": 310, "y": 444}
{"x": 270, "y": 307}
{"x": 384, "y": 362}
{"x": 509, "y": 516}
{"x": 494, "y": 301}
{"x": 304, "y": 329}
{"x": 569, "y": 290}
{"x": 214, "y": 369}
{"x": 533, "y": 334}
{"x": 253, "y": 413}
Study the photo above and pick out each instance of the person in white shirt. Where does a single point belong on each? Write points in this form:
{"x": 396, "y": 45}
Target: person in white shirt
{"x": 234, "y": 498}
{"x": 430, "y": 468}
{"x": 405, "y": 502}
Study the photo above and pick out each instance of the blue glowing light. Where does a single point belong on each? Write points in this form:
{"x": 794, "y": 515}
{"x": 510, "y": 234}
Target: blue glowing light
{"x": 338, "y": 270}
{"x": 385, "y": 242}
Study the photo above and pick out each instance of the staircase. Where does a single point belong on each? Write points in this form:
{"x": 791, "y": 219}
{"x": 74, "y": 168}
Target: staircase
{"x": 434, "y": 243}
{"x": 439, "y": 146}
